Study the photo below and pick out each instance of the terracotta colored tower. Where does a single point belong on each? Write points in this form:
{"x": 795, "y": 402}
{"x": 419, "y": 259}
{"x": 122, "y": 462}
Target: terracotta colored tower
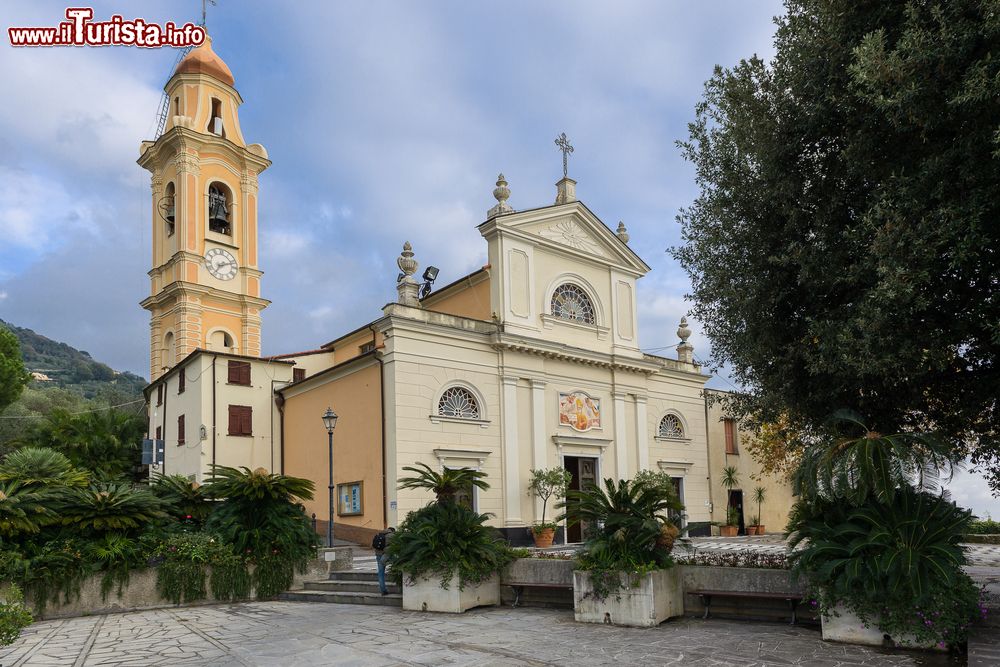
{"x": 205, "y": 280}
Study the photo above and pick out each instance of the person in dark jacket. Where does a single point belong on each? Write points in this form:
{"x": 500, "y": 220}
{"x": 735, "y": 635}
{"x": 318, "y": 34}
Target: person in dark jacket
{"x": 379, "y": 543}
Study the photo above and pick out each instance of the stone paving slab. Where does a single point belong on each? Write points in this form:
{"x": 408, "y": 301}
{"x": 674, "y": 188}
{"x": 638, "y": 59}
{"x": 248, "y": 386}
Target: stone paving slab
{"x": 283, "y": 634}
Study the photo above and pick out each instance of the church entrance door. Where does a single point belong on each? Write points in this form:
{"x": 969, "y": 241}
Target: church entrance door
{"x": 584, "y": 472}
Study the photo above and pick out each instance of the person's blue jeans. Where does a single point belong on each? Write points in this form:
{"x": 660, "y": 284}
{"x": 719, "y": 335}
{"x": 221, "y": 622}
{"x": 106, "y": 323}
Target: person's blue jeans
{"x": 380, "y": 561}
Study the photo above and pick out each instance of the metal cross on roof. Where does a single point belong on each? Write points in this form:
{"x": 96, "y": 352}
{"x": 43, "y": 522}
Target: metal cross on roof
{"x": 563, "y": 143}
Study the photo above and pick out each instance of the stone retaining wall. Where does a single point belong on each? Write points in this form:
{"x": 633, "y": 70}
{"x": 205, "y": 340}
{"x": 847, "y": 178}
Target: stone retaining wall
{"x": 140, "y": 591}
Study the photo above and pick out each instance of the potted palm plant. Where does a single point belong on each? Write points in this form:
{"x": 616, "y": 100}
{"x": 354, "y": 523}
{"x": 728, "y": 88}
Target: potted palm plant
{"x": 730, "y": 480}
{"x": 545, "y": 484}
{"x": 759, "y": 495}
{"x": 879, "y": 542}
{"x": 444, "y": 555}
{"x": 625, "y": 575}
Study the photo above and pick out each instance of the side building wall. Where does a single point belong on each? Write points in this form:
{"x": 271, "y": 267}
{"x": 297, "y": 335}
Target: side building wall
{"x": 354, "y": 391}
{"x": 778, "y": 492}
{"x": 205, "y": 404}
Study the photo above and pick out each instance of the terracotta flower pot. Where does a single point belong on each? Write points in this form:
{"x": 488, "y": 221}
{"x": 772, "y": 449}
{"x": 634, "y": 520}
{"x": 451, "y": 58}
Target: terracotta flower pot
{"x": 751, "y": 530}
{"x": 760, "y": 529}
{"x": 544, "y": 537}
{"x": 728, "y": 531}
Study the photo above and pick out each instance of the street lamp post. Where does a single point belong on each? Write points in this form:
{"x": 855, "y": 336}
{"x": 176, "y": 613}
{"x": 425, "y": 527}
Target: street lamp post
{"x": 330, "y": 422}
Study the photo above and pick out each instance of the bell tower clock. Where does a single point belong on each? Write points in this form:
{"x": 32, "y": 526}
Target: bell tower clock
{"x": 205, "y": 281}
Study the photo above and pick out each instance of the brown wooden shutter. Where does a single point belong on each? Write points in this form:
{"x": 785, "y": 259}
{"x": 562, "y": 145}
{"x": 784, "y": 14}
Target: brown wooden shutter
{"x": 159, "y": 394}
{"x": 180, "y": 430}
{"x": 159, "y": 433}
{"x": 234, "y": 420}
{"x": 730, "y": 437}
{"x": 298, "y": 374}
{"x": 181, "y": 382}
{"x": 239, "y": 372}
{"x": 246, "y": 421}
{"x": 240, "y": 420}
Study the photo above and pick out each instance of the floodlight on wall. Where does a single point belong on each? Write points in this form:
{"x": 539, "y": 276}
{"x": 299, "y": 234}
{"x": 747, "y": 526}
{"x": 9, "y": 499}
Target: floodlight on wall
{"x": 430, "y": 275}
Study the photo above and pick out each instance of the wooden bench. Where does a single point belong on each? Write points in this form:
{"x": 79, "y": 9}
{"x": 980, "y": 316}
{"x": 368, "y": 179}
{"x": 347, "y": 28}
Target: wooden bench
{"x": 706, "y": 599}
{"x": 519, "y": 587}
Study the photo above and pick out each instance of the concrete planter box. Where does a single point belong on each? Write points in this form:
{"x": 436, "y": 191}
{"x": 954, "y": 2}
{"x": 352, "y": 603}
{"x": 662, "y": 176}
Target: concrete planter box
{"x": 845, "y": 627}
{"x": 656, "y": 598}
{"x": 426, "y": 594}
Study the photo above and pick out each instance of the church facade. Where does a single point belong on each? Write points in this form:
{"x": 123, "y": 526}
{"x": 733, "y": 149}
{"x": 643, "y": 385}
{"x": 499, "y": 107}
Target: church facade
{"x": 532, "y": 361}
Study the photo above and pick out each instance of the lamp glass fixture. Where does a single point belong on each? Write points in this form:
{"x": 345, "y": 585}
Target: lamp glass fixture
{"x": 330, "y": 419}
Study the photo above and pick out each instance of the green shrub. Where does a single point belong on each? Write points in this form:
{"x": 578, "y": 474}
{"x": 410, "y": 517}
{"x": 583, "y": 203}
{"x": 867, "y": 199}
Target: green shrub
{"x": 259, "y": 517}
{"x": 183, "y": 499}
{"x": 442, "y": 539}
{"x": 183, "y": 562}
{"x": 101, "y": 507}
{"x": 13, "y": 615}
{"x": 985, "y": 527}
{"x": 446, "y": 484}
{"x": 41, "y": 467}
{"x": 626, "y": 520}
{"x": 897, "y": 565}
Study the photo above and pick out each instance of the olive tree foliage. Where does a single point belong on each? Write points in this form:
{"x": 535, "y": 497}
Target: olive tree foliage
{"x": 844, "y": 249}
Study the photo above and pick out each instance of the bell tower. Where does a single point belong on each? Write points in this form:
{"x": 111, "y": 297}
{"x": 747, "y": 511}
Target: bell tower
{"x": 205, "y": 281}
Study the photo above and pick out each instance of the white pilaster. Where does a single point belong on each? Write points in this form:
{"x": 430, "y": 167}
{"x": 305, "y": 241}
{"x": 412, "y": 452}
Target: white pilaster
{"x": 539, "y": 460}
{"x": 511, "y": 469}
{"x": 641, "y": 436}
{"x": 621, "y": 447}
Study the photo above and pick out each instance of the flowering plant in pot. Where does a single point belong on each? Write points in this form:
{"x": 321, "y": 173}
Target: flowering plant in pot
{"x": 545, "y": 484}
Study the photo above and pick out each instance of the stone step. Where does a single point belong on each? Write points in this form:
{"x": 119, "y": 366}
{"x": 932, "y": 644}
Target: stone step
{"x": 390, "y": 600}
{"x": 336, "y": 586}
{"x": 353, "y": 575}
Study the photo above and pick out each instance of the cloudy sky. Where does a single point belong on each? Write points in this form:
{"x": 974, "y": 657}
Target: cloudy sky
{"x": 386, "y": 122}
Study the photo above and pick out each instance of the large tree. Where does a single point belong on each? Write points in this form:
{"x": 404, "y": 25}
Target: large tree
{"x": 844, "y": 249}
{"x": 13, "y": 376}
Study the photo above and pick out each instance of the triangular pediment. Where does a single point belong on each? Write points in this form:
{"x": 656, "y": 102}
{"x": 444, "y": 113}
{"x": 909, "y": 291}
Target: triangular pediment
{"x": 572, "y": 228}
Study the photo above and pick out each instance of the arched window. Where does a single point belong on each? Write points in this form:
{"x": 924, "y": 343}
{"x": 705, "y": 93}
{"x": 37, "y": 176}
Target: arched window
{"x": 167, "y": 208}
{"x": 220, "y": 341}
{"x": 458, "y": 402}
{"x": 671, "y": 427}
{"x": 215, "y": 125}
{"x": 169, "y": 351}
{"x": 220, "y": 203}
{"x": 570, "y": 302}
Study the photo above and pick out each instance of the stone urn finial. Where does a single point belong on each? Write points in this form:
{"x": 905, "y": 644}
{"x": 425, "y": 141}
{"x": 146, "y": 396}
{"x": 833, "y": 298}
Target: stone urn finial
{"x": 407, "y": 288}
{"x": 685, "y": 350}
{"x": 621, "y": 232}
{"x": 502, "y": 194}
{"x": 406, "y": 263}
{"x": 683, "y": 331}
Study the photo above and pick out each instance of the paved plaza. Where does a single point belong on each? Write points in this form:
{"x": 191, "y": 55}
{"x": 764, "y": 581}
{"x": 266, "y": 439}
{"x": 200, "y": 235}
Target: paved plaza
{"x": 291, "y": 634}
